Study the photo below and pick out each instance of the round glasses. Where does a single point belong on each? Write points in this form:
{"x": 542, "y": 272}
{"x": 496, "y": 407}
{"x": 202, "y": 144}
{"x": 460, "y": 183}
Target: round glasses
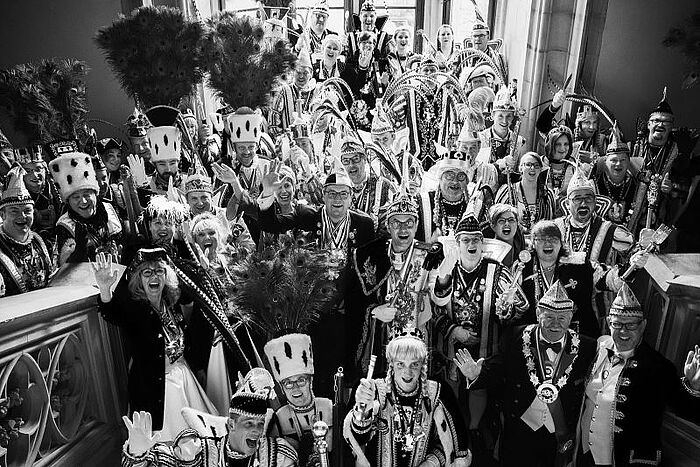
{"x": 300, "y": 382}
{"x": 149, "y": 272}
{"x": 509, "y": 220}
{"x": 450, "y": 176}
{"x": 397, "y": 224}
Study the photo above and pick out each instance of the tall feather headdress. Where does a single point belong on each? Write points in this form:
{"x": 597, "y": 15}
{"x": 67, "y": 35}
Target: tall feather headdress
{"x": 243, "y": 65}
{"x": 155, "y": 53}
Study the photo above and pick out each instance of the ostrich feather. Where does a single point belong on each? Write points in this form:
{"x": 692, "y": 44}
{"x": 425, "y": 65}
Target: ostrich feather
{"x": 243, "y": 65}
{"x": 155, "y": 53}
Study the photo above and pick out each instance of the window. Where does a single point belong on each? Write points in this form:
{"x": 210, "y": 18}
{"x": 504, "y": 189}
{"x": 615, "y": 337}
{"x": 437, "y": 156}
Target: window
{"x": 464, "y": 17}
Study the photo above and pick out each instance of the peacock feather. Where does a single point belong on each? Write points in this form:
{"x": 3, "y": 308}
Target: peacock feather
{"x": 243, "y": 65}
{"x": 155, "y": 53}
{"x": 284, "y": 288}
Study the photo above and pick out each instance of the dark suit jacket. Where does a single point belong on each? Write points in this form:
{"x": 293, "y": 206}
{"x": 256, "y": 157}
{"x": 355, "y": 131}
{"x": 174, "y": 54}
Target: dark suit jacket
{"x": 507, "y": 371}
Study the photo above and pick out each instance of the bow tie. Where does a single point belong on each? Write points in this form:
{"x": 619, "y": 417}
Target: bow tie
{"x": 614, "y": 358}
{"x": 554, "y": 346}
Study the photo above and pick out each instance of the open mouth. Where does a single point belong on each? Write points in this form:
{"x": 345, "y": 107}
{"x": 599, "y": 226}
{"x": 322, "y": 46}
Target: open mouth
{"x": 471, "y": 251}
{"x": 296, "y": 395}
{"x": 284, "y": 196}
{"x": 251, "y": 442}
{"x": 353, "y": 171}
{"x": 583, "y": 211}
{"x": 506, "y": 230}
{"x": 207, "y": 243}
{"x": 21, "y": 224}
{"x": 403, "y": 236}
{"x": 454, "y": 186}
{"x": 154, "y": 285}
{"x": 547, "y": 250}
{"x": 407, "y": 380}
{"x": 162, "y": 234}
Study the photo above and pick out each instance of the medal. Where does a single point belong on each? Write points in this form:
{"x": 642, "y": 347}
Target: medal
{"x": 547, "y": 392}
{"x": 408, "y": 442}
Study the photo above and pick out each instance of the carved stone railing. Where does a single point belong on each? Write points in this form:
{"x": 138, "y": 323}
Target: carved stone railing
{"x": 59, "y": 380}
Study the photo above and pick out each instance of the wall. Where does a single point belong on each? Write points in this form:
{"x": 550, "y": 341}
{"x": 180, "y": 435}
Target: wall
{"x": 634, "y": 66}
{"x": 34, "y": 29}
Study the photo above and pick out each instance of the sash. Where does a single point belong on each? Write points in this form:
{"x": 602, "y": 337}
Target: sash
{"x": 486, "y": 310}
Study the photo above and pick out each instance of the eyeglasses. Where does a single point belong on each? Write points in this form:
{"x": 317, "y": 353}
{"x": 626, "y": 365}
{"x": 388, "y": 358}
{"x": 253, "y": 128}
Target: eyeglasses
{"x": 149, "y": 272}
{"x": 583, "y": 199}
{"x": 658, "y": 121}
{"x": 470, "y": 240}
{"x": 450, "y": 176}
{"x": 343, "y": 195}
{"x": 300, "y": 382}
{"x": 352, "y": 160}
{"x": 397, "y": 224}
{"x": 530, "y": 165}
{"x": 547, "y": 239}
{"x": 628, "y": 326}
{"x": 509, "y": 220}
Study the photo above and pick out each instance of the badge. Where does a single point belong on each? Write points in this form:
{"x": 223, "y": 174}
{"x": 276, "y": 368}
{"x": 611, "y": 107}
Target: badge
{"x": 547, "y": 392}
{"x": 409, "y": 442}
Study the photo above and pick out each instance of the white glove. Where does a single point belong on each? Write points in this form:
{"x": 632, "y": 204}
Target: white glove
{"x": 451, "y": 252}
{"x": 384, "y": 313}
{"x": 559, "y": 99}
{"x": 141, "y": 437}
{"x": 138, "y": 170}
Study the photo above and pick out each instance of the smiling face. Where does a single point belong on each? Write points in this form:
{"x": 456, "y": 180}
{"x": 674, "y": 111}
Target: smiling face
{"x": 588, "y": 126}
{"x": 506, "y": 226}
{"x": 191, "y": 125}
{"x": 471, "y": 149}
{"x": 547, "y": 248}
{"x": 245, "y": 152}
{"x": 302, "y": 75}
{"x": 480, "y": 39}
{"x": 207, "y": 237}
{"x": 451, "y": 187}
{"x": 140, "y": 145}
{"x": 35, "y": 176}
{"x": 167, "y": 168}
{"x": 470, "y": 248}
{"x": 112, "y": 159}
{"x": 659, "y": 126}
{"x": 152, "y": 275}
{"x": 162, "y": 230}
{"x": 17, "y": 220}
{"x": 407, "y": 373}
{"x": 199, "y": 201}
{"x": 402, "y": 228}
{"x": 502, "y": 119}
{"x": 368, "y": 18}
{"x": 630, "y": 333}
{"x": 402, "y": 39}
{"x": 385, "y": 140}
{"x": 561, "y": 148}
{"x": 581, "y": 205}
{"x": 530, "y": 168}
{"x": 337, "y": 199}
{"x": 356, "y": 166}
{"x": 553, "y": 325}
{"x": 331, "y": 51}
{"x": 319, "y": 22}
{"x": 244, "y": 433}
{"x": 102, "y": 181}
{"x": 83, "y": 202}
{"x": 616, "y": 165}
{"x": 367, "y": 47}
{"x": 297, "y": 389}
{"x": 285, "y": 193}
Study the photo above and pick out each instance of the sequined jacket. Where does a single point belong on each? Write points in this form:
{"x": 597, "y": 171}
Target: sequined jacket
{"x": 15, "y": 280}
{"x": 647, "y": 384}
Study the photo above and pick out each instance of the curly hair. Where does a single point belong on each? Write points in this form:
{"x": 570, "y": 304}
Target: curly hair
{"x": 208, "y": 220}
{"x": 171, "y": 291}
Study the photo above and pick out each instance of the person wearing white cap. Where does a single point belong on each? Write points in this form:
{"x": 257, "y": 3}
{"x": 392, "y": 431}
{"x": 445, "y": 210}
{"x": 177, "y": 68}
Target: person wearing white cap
{"x": 628, "y": 390}
{"x": 25, "y": 263}
{"x": 368, "y": 21}
{"x": 506, "y": 147}
{"x": 315, "y": 32}
{"x": 89, "y": 225}
{"x": 539, "y": 370}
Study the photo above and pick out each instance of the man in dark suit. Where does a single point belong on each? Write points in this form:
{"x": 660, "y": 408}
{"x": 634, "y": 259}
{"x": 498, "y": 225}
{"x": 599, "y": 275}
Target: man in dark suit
{"x": 540, "y": 372}
{"x": 335, "y": 227}
{"x": 630, "y": 385}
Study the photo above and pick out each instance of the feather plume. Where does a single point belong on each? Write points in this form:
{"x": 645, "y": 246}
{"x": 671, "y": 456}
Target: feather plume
{"x": 243, "y": 65}
{"x": 285, "y": 288}
{"x": 275, "y": 3}
{"x": 155, "y": 53}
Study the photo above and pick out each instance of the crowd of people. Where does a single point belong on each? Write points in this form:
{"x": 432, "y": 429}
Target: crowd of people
{"x": 358, "y": 257}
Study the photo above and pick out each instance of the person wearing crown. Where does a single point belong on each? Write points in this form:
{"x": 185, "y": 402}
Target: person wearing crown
{"x": 389, "y": 285}
{"x": 291, "y": 359}
{"x": 615, "y": 179}
{"x": 559, "y": 162}
{"x": 238, "y": 440}
{"x": 316, "y": 32}
{"x": 584, "y": 229}
{"x": 587, "y": 135}
{"x": 137, "y": 125}
{"x": 551, "y": 259}
{"x": 627, "y": 390}
{"x": 405, "y": 419}
{"x": 666, "y": 173}
{"x": 476, "y": 297}
{"x": 370, "y": 192}
{"x": 25, "y": 262}
{"x": 89, "y": 226}
{"x": 506, "y": 147}
{"x": 47, "y": 203}
{"x": 368, "y": 21}
{"x": 403, "y": 50}
{"x": 539, "y": 371}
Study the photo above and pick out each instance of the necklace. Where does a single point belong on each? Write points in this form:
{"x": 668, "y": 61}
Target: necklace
{"x": 440, "y": 216}
{"x": 547, "y": 391}
{"x": 541, "y": 281}
{"x": 407, "y": 427}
